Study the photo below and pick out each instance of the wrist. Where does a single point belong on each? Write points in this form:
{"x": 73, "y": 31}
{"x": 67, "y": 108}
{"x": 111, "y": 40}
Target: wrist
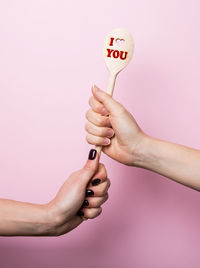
{"x": 56, "y": 219}
{"x": 47, "y": 224}
{"x": 53, "y": 219}
{"x": 142, "y": 152}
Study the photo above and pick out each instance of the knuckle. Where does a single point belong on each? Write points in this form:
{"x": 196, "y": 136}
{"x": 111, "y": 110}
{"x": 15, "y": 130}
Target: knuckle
{"x": 103, "y": 200}
{"x": 102, "y": 166}
{"x": 93, "y": 213}
{"x": 104, "y": 189}
{"x": 102, "y": 169}
{"x": 106, "y": 197}
{"x": 86, "y": 126}
{"x": 97, "y": 212}
{"x": 90, "y": 101}
{"x": 108, "y": 183}
{"x": 87, "y": 114}
{"x": 88, "y": 139}
{"x": 100, "y": 211}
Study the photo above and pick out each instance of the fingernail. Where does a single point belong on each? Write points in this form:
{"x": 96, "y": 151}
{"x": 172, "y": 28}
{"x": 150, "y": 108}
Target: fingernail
{"x": 80, "y": 213}
{"x": 104, "y": 111}
{"x": 106, "y": 141}
{"x": 110, "y": 133}
{"x": 92, "y": 154}
{"x": 85, "y": 203}
{"x": 95, "y": 87}
{"x": 96, "y": 182}
{"x": 89, "y": 192}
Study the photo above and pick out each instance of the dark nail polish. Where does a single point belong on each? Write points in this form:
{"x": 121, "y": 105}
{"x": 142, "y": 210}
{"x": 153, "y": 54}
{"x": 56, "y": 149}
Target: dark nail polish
{"x": 85, "y": 203}
{"x": 92, "y": 154}
{"x": 89, "y": 192}
{"x": 80, "y": 213}
{"x": 96, "y": 182}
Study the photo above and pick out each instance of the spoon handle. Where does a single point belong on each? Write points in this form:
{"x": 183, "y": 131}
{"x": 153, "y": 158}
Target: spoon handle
{"x": 111, "y": 84}
{"x": 110, "y": 89}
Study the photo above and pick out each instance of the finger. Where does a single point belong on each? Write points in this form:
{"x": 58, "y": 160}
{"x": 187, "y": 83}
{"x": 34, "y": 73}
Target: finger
{"x": 91, "y": 166}
{"x": 97, "y": 119}
{"x": 91, "y": 139}
{"x": 99, "y": 177}
{"x": 97, "y": 106}
{"x": 99, "y": 190}
{"x": 99, "y": 131}
{"x": 92, "y": 213}
{"x": 95, "y": 202}
{"x": 114, "y": 108}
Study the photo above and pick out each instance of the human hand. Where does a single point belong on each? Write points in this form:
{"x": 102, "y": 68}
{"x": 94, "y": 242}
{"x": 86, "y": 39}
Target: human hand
{"x": 80, "y": 197}
{"x": 119, "y": 134}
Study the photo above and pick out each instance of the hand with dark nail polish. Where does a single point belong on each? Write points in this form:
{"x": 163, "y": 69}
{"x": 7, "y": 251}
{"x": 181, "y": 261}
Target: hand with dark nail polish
{"x": 70, "y": 205}
{"x": 65, "y": 211}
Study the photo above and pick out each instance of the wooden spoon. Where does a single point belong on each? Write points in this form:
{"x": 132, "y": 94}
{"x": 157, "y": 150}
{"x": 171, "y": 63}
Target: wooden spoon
{"x": 117, "y": 52}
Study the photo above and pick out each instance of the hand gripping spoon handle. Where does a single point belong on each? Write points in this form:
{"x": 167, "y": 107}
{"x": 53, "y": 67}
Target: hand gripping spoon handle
{"x": 117, "y": 52}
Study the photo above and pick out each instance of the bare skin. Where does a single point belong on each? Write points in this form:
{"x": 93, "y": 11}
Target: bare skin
{"x": 59, "y": 216}
{"x": 113, "y": 127}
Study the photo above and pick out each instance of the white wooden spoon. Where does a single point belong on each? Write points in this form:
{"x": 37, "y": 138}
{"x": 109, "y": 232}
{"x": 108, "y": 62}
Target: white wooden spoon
{"x": 117, "y": 52}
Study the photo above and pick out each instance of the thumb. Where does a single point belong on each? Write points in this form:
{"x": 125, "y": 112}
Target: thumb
{"x": 111, "y": 105}
{"x": 91, "y": 166}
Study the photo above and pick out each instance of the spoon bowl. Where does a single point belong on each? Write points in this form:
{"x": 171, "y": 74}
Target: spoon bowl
{"x": 118, "y": 50}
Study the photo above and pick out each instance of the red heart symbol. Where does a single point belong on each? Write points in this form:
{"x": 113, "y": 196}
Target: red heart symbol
{"x": 120, "y": 42}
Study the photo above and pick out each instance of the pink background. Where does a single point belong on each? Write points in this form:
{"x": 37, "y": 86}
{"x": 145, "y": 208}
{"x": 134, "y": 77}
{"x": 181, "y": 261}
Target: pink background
{"x": 50, "y": 55}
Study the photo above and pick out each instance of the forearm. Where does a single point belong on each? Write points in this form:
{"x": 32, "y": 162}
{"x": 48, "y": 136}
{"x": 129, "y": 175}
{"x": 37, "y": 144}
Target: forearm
{"x": 177, "y": 162}
{"x": 23, "y": 219}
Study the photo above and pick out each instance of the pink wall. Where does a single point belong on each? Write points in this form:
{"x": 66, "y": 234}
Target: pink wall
{"x": 50, "y": 55}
